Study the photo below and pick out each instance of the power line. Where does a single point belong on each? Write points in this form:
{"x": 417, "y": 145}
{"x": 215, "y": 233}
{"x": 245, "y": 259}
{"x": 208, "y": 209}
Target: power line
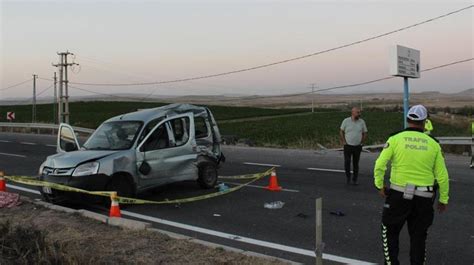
{"x": 100, "y": 93}
{"x": 303, "y": 93}
{"x": 15, "y": 85}
{"x": 368, "y": 82}
{"x": 39, "y": 94}
{"x": 45, "y": 79}
{"x": 282, "y": 61}
{"x": 44, "y": 90}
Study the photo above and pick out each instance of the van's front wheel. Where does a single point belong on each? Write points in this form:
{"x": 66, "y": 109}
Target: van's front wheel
{"x": 207, "y": 176}
{"x": 122, "y": 185}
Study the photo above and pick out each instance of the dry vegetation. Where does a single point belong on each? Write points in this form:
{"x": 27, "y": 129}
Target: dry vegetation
{"x": 30, "y": 234}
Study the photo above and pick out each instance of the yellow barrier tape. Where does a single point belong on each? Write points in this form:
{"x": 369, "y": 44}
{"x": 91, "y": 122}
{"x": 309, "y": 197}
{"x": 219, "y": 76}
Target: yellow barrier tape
{"x": 39, "y": 183}
{"x": 125, "y": 200}
{"x": 247, "y": 176}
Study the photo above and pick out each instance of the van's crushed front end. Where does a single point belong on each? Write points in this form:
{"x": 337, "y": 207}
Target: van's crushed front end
{"x": 87, "y": 170}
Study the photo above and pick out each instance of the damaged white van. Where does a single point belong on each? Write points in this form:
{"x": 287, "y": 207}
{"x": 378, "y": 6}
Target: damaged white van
{"x": 137, "y": 151}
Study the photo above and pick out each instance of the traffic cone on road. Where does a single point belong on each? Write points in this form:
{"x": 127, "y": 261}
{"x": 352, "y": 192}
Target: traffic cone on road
{"x": 114, "y": 206}
{"x": 3, "y": 185}
{"x": 273, "y": 186}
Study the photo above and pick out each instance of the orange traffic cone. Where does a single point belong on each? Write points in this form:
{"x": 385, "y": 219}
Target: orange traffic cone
{"x": 3, "y": 185}
{"x": 273, "y": 186}
{"x": 114, "y": 207}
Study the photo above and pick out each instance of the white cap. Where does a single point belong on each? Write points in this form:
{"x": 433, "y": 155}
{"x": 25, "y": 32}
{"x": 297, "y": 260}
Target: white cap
{"x": 417, "y": 113}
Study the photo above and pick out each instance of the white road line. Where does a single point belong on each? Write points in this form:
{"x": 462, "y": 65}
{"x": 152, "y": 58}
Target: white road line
{"x": 259, "y": 164}
{"x": 51, "y": 145}
{"x": 23, "y": 189}
{"x": 28, "y": 143}
{"x": 326, "y": 169}
{"x": 248, "y": 240}
{"x": 251, "y": 241}
{"x": 15, "y": 155}
{"x": 255, "y": 186}
{"x": 3, "y": 141}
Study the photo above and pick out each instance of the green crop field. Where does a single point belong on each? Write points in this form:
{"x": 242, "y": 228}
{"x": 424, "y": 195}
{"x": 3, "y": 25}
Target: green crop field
{"x": 92, "y": 114}
{"x": 323, "y": 128}
{"x": 295, "y": 131}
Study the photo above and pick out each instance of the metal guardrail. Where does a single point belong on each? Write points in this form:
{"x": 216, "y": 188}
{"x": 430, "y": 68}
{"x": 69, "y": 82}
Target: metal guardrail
{"x": 455, "y": 140}
{"x": 448, "y": 140}
{"x": 38, "y": 127}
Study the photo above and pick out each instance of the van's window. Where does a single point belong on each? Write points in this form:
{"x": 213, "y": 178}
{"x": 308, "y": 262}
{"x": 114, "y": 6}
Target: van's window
{"x": 148, "y": 128}
{"x": 116, "y": 135}
{"x": 200, "y": 127}
{"x": 158, "y": 139}
{"x": 180, "y": 127}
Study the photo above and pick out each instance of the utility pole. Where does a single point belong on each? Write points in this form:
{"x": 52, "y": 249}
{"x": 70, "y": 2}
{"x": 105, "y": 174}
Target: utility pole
{"x": 33, "y": 111}
{"x": 55, "y": 99}
{"x": 312, "y": 97}
{"x": 63, "y": 106}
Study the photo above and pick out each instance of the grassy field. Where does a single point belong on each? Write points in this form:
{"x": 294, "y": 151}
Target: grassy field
{"x": 92, "y": 114}
{"x": 323, "y": 128}
{"x": 298, "y": 131}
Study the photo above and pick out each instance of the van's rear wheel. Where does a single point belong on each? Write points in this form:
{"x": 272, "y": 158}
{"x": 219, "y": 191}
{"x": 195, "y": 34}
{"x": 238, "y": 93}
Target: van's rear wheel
{"x": 207, "y": 176}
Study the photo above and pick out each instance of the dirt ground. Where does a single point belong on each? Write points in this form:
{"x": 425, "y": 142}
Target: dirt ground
{"x": 86, "y": 241}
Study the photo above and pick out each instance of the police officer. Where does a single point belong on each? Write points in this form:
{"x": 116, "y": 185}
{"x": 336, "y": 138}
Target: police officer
{"x": 417, "y": 163}
{"x": 428, "y": 125}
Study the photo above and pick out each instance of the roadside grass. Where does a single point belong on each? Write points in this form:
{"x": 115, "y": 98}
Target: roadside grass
{"x": 323, "y": 128}
{"x": 28, "y": 245}
{"x": 92, "y": 114}
{"x": 32, "y": 234}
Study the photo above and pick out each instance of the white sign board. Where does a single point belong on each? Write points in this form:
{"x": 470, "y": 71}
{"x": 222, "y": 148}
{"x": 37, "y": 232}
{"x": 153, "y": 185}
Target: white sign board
{"x": 10, "y": 116}
{"x": 404, "y": 62}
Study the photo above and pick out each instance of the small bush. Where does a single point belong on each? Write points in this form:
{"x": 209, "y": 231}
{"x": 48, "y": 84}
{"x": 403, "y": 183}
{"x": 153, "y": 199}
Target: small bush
{"x": 28, "y": 245}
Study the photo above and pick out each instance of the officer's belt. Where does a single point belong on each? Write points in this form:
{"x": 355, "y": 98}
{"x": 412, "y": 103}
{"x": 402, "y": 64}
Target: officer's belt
{"x": 419, "y": 191}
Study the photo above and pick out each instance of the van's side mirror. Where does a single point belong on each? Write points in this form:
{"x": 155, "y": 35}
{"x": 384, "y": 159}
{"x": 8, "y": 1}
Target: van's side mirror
{"x": 145, "y": 168}
{"x": 67, "y": 140}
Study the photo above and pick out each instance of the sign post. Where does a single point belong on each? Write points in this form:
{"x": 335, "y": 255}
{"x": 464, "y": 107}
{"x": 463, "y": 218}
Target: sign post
{"x": 405, "y": 62}
{"x": 406, "y": 101}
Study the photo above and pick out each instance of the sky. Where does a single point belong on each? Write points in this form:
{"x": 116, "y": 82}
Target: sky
{"x": 145, "y": 41}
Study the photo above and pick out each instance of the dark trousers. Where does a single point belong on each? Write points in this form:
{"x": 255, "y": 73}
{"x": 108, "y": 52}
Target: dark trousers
{"x": 418, "y": 213}
{"x": 352, "y": 151}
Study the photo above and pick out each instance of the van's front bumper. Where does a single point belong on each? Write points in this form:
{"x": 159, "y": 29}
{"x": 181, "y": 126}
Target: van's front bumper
{"x": 96, "y": 182}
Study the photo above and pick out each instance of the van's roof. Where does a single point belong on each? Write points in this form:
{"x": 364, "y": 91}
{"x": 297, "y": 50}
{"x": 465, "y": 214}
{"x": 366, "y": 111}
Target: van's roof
{"x": 165, "y": 111}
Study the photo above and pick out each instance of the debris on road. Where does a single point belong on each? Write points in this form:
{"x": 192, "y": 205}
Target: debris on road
{"x": 302, "y": 215}
{"x": 223, "y": 187}
{"x": 337, "y": 213}
{"x": 274, "y": 205}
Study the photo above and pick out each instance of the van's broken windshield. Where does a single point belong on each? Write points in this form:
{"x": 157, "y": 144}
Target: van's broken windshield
{"x": 117, "y": 135}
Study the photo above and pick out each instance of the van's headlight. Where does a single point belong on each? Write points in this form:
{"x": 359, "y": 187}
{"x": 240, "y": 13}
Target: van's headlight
{"x": 86, "y": 169}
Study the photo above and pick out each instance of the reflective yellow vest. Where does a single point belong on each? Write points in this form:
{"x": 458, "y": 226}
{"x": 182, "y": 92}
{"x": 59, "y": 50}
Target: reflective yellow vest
{"x": 428, "y": 126}
{"x": 416, "y": 159}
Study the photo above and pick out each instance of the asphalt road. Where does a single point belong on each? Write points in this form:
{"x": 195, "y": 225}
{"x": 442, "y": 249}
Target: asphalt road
{"x": 240, "y": 220}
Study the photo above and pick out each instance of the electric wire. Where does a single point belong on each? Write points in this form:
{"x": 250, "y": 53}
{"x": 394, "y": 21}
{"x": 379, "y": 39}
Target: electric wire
{"x": 297, "y": 94}
{"x": 282, "y": 61}
{"x": 15, "y": 85}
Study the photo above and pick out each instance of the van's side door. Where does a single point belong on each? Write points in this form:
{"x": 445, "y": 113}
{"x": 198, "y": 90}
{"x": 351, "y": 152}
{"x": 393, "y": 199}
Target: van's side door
{"x": 167, "y": 152}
